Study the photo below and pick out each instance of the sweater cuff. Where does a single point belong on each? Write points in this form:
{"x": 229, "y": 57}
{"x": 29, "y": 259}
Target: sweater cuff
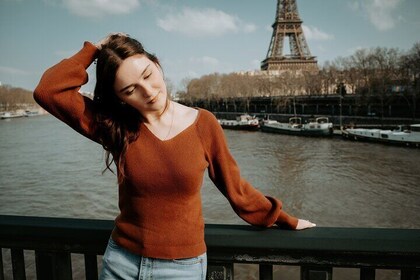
{"x": 86, "y": 55}
{"x": 286, "y": 221}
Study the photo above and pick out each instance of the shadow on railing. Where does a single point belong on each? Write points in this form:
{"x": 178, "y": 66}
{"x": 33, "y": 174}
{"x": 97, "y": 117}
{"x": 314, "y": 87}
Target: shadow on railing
{"x": 316, "y": 251}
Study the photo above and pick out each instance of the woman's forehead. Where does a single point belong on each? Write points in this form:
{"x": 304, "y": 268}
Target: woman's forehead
{"x": 135, "y": 62}
{"x": 131, "y": 69}
{"x": 133, "y": 66}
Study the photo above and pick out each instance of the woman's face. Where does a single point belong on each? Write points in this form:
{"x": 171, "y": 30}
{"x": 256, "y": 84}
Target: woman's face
{"x": 139, "y": 83}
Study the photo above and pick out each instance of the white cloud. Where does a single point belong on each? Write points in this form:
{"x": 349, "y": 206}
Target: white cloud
{"x": 12, "y": 71}
{"x": 205, "y": 22}
{"x": 63, "y": 54}
{"x": 100, "y": 8}
{"x": 313, "y": 33}
{"x": 255, "y": 63}
{"x": 192, "y": 74}
{"x": 352, "y": 50}
{"x": 51, "y": 2}
{"x": 381, "y": 13}
{"x": 249, "y": 28}
{"x": 192, "y": 67}
{"x": 354, "y": 5}
{"x": 205, "y": 61}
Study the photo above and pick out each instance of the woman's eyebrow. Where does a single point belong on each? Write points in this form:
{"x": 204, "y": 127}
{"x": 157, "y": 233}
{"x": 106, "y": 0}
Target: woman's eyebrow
{"x": 130, "y": 85}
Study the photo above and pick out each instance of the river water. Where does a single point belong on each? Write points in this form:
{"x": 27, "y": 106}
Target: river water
{"x": 46, "y": 169}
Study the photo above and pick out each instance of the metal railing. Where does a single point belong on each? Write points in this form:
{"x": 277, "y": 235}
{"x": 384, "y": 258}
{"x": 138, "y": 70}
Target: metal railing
{"x": 316, "y": 251}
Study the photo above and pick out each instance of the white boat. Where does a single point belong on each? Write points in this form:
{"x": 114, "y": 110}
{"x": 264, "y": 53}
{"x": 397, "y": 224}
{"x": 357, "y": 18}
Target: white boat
{"x": 314, "y": 127}
{"x": 29, "y": 113}
{"x": 402, "y": 135}
{"x": 243, "y": 122}
{"x": 8, "y": 115}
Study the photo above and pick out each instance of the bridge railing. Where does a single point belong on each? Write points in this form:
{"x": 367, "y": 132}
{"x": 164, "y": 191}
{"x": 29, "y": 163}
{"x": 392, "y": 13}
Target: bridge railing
{"x": 316, "y": 251}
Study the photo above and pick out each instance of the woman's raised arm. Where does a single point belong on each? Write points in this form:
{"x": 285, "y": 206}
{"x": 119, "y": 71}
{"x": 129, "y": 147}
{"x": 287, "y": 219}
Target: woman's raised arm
{"x": 58, "y": 91}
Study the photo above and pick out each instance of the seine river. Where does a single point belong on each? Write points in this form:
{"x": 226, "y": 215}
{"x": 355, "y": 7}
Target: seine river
{"x": 46, "y": 169}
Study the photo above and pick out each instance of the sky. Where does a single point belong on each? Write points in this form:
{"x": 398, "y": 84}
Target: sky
{"x": 193, "y": 37}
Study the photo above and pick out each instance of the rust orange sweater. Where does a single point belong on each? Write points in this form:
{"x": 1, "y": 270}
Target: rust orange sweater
{"x": 160, "y": 201}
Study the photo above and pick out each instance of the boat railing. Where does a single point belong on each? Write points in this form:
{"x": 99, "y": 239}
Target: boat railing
{"x": 316, "y": 251}
{"x": 322, "y": 120}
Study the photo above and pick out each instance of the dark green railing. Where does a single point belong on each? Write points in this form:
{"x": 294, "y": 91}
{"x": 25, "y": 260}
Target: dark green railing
{"x": 316, "y": 251}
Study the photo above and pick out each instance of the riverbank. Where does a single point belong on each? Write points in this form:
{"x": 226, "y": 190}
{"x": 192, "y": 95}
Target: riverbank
{"x": 346, "y": 121}
{"x": 28, "y": 112}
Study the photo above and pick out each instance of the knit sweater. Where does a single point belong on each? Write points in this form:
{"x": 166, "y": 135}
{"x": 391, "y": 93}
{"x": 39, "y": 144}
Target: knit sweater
{"x": 160, "y": 200}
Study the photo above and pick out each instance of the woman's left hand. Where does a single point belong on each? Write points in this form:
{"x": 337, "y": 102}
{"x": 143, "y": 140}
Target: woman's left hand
{"x": 304, "y": 224}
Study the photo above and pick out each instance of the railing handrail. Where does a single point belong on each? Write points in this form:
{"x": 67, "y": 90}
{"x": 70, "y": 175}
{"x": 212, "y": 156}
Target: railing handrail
{"x": 321, "y": 246}
{"x": 27, "y": 232}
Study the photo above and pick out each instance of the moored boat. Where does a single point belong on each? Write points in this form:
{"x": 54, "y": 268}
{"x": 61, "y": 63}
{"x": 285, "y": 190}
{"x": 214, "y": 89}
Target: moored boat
{"x": 243, "y": 122}
{"x": 29, "y": 113}
{"x": 314, "y": 127}
{"x": 402, "y": 135}
{"x": 9, "y": 115}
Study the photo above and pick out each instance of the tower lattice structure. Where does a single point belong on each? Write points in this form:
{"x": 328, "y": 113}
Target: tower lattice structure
{"x": 288, "y": 23}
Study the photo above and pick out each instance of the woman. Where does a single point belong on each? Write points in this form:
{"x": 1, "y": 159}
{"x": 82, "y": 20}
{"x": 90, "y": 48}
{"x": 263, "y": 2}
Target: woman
{"x": 161, "y": 150}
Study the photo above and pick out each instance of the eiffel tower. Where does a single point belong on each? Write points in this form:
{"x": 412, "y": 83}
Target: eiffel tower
{"x": 288, "y": 23}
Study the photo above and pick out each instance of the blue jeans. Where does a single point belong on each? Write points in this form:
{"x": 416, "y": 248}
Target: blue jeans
{"x": 118, "y": 263}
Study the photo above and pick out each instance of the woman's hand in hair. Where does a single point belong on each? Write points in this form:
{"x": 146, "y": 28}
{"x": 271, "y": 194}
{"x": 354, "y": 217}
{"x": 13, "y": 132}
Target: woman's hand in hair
{"x": 105, "y": 40}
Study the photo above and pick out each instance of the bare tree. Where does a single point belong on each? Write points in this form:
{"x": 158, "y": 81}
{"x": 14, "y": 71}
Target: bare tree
{"x": 313, "y": 85}
{"x": 15, "y": 98}
{"x": 410, "y": 66}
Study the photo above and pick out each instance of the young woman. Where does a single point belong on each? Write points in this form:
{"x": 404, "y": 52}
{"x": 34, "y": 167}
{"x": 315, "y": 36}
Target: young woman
{"x": 161, "y": 150}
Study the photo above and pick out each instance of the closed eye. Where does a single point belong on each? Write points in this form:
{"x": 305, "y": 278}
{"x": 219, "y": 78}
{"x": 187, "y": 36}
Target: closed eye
{"x": 124, "y": 89}
{"x": 148, "y": 75}
{"x": 130, "y": 91}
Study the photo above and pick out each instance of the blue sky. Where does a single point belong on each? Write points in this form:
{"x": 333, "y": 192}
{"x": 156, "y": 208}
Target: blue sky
{"x": 193, "y": 37}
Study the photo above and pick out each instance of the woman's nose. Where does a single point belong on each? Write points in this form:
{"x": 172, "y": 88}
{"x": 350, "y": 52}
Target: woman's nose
{"x": 146, "y": 90}
{"x": 147, "y": 93}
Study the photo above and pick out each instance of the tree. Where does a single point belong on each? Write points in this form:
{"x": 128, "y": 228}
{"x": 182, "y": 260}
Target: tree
{"x": 341, "y": 89}
{"x": 15, "y": 98}
{"x": 410, "y": 65}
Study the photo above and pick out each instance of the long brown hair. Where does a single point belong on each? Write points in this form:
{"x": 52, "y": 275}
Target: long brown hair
{"x": 117, "y": 123}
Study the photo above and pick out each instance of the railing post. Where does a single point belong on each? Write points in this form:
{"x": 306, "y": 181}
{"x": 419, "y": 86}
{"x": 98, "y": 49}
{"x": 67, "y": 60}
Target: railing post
{"x": 266, "y": 272}
{"x": 18, "y": 264}
{"x": 367, "y": 274}
{"x": 1, "y": 264}
{"x": 53, "y": 266}
{"x": 91, "y": 267}
{"x": 410, "y": 274}
{"x": 220, "y": 271}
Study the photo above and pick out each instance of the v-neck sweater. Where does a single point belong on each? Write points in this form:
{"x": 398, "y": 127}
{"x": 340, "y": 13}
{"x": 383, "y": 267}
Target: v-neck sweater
{"x": 160, "y": 198}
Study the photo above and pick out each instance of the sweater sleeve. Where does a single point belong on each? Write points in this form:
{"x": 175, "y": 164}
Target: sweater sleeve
{"x": 249, "y": 203}
{"x": 58, "y": 91}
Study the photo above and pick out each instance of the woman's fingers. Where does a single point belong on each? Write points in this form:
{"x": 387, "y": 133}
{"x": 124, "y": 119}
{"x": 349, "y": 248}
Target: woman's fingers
{"x": 304, "y": 224}
{"x": 105, "y": 40}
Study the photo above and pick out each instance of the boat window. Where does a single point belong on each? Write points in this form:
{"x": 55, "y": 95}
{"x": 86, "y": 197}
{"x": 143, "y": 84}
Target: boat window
{"x": 384, "y": 135}
{"x": 415, "y": 128}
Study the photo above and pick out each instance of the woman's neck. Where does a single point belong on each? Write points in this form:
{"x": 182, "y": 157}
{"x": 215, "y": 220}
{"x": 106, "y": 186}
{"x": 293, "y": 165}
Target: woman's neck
{"x": 156, "y": 117}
